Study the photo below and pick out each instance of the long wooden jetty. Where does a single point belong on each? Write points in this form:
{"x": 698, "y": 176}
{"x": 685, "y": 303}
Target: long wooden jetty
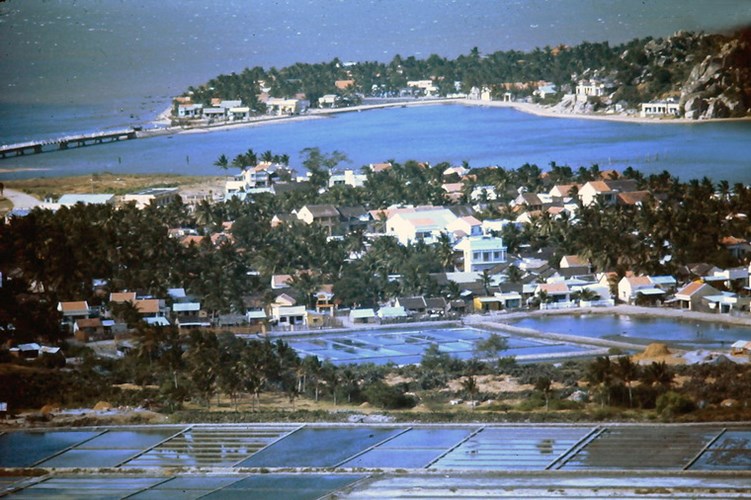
{"x": 68, "y": 142}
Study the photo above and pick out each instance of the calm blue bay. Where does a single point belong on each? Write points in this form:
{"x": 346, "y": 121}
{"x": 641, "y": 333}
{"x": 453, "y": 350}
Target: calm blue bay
{"x": 480, "y": 135}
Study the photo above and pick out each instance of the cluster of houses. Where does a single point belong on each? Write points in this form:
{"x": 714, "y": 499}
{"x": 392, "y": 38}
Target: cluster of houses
{"x": 110, "y": 319}
{"x": 229, "y": 111}
{"x": 484, "y": 277}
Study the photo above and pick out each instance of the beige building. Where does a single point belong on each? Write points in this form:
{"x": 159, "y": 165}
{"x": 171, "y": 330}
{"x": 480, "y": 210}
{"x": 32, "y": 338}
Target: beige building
{"x": 159, "y": 197}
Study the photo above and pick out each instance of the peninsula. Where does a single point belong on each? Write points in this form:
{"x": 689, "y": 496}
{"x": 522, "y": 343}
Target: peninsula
{"x": 685, "y": 78}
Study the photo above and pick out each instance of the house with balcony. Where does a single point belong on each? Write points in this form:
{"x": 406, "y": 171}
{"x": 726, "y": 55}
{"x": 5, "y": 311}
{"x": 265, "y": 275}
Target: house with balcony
{"x": 586, "y": 89}
{"x": 480, "y": 253}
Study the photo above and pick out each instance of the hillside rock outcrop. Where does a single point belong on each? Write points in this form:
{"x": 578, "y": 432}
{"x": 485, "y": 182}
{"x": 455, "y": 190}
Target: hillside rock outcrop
{"x": 720, "y": 85}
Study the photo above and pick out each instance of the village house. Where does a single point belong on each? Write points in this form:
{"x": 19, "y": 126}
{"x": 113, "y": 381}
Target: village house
{"x": 739, "y": 248}
{"x": 280, "y": 281}
{"x": 639, "y": 290}
{"x": 605, "y": 192}
{"x": 328, "y": 101}
{"x": 667, "y": 107}
{"x": 354, "y": 218}
{"x": 592, "y": 88}
{"x": 563, "y": 192}
{"x": 690, "y": 296}
{"x": 286, "y": 314}
{"x": 480, "y": 253}
{"x": 509, "y": 299}
{"x": 153, "y": 311}
{"x": 487, "y": 303}
{"x": 281, "y": 106}
{"x": 213, "y": 115}
{"x": 391, "y": 313}
{"x": 423, "y": 87}
{"x": 256, "y": 179}
{"x": 413, "y": 305}
{"x": 435, "y": 306}
{"x": 189, "y": 111}
{"x": 72, "y": 311}
{"x": 554, "y": 295}
{"x": 465, "y": 226}
{"x": 69, "y": 200}
{"x": 326, "y": 216}
{"x": 727, "y": 302}
{"x": 160, "y": 197}
{"x": 347, "y": 178}
{"x": 424, "y": 223}
{"x": 238, "y": 114}
{"x": 362, "y": 316}
{"x": 454, "y": 191}
{"x": 86, "y": 329}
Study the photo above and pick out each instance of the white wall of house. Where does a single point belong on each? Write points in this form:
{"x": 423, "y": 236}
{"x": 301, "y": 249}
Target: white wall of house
{"x": 481, "y": 252}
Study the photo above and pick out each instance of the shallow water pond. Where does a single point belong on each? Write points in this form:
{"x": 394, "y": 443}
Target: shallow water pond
{"x": 693, "y": 334}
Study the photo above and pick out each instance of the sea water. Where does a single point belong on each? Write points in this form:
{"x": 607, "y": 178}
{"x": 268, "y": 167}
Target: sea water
{"x": 453, "y": 133}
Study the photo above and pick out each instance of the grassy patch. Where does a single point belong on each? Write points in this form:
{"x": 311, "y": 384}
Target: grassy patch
{"x": 5, "y": 206}
{"x": 104, "y": 182}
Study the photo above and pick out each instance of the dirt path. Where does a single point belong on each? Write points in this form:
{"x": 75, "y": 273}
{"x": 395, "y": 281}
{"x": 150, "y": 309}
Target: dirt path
{"x": 21, "y": 200}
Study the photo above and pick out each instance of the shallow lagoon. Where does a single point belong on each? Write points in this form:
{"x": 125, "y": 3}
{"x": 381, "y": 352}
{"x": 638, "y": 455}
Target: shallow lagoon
{"x": 640, "y": 330}
{"x": 482, "y": 136}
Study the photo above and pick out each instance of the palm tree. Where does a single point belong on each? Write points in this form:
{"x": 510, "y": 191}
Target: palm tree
{"x": 543, "y": 384}
{"x": 599, "y": 375}
{"x": 445, "y": 251}
{"x": 222, "y": 162}
{"x": 627, "y": 371}
{"x": 486, "y": 280}
{"x": 658, "y": 374}
{"x": 470, "y": 387}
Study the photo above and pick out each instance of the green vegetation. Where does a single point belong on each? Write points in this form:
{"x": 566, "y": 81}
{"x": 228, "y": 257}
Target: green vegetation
{"x": 47, "y": 257}
{"x": 220, "y": 378}
{"x": 646, "y": 68}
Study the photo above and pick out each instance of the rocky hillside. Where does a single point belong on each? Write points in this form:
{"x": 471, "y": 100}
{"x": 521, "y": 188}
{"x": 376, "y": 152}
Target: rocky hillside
{"x": 719, "y": 86}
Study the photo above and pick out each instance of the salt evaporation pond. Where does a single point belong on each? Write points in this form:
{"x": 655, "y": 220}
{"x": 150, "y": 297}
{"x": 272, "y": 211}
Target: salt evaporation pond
{"x": 640, "y": 330}
{"x": 404, "y": 347}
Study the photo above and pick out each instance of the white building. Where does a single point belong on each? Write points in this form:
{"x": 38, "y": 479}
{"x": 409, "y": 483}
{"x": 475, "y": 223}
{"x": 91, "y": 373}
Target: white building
{"x": 668, "y": 107}
{"x": 481, "y": 252}
{"x": 279, "y": 106}
{"x": 190, "y": 110}
{"x": 68, "y": 200}
{"x": 416, "y": 224}
{"x": 347, "y": 178}
{"x": 589, "y": 88}
{"x": 154, "y": 196}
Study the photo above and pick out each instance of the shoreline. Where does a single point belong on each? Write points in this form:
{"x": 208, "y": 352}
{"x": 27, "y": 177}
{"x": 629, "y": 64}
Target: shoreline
{"x": 317, "y": 113}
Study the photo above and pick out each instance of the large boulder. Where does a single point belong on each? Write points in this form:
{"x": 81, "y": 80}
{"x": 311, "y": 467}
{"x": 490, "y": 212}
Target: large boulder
{"x": 718, "y": 86}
